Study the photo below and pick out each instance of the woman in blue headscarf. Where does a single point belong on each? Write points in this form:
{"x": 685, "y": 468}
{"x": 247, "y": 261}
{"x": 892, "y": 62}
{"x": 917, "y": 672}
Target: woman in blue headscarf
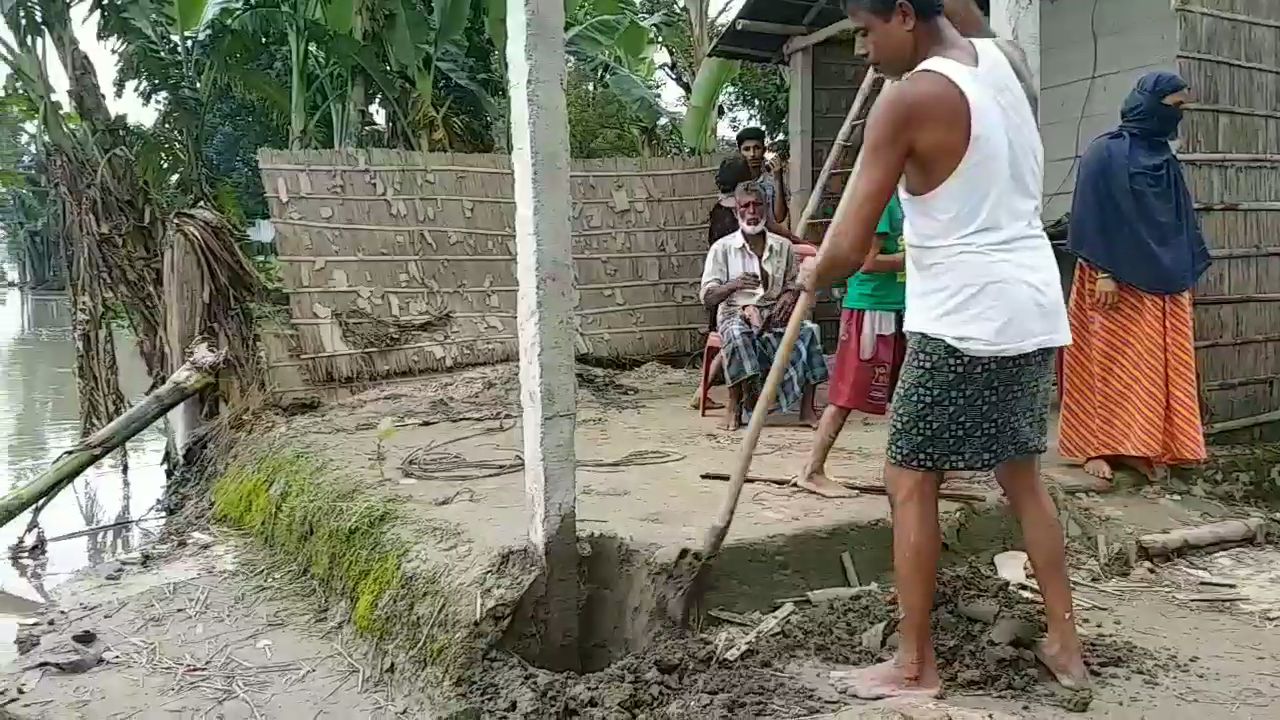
{"x": 1130, "y": 394}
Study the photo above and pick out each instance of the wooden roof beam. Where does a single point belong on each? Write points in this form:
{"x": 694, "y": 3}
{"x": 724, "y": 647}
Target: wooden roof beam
{"x": 803, "y": 41}
{"x": 771, "y": 28}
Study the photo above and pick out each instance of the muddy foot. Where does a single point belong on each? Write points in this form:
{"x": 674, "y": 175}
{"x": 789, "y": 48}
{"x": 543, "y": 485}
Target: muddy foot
{"x": 820, "y": 484}
{"x": 732, "y": 421}
{"x": 1101, "y": 469}
{"x": 696, "y": 402}
{"x": 1067, "y": 668}
{"x": 1142, "y": 465}
{"x": 887, "y": 680}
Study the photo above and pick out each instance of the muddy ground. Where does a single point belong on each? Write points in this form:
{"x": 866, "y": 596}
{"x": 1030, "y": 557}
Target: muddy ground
{"x": 782, "y": 676}
{"x": 210, "y": 630}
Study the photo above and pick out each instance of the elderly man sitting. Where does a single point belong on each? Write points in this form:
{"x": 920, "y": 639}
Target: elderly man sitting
{"x": 751, "y": 276}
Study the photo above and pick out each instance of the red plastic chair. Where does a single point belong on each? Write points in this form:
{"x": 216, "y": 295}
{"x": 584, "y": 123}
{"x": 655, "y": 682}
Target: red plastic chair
{"x": 714, "y": 343}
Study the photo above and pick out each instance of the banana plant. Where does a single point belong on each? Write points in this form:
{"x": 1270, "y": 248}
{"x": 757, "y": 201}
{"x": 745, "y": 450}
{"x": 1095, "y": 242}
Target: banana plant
{"x": 610, "y": 39}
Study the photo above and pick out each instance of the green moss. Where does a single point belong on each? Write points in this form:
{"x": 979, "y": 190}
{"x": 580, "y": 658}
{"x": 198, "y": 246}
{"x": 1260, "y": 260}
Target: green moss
{"x": 342, "y": 536}
{"x": 377, "y": 585}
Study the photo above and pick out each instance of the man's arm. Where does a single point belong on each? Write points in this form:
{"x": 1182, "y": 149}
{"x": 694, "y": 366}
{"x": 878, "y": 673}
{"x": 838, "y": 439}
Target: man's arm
{"x": 877, "y": 263}
{"x": 881, "y": 163}
{"x": 780, "y": 209}
{"x": 716, "y": 285}
{"x": 967, "y": 18}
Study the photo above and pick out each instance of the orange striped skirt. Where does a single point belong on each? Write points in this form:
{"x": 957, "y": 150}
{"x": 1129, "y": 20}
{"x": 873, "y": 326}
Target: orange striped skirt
{"x": 1129, "y": 383}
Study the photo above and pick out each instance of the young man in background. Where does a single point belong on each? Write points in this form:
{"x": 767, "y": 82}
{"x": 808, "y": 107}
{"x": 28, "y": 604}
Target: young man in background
{"x": 751, "y": 143}
{"x": 871, "y": 347}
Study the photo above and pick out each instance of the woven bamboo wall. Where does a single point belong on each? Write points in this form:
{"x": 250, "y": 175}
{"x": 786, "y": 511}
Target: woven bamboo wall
{"x": 1229, "y": 52}
{"x": 404, "y": 236}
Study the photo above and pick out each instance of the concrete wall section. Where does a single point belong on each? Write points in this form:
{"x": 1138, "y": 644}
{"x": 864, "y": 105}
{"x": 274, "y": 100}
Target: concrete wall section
{"x": 1091, "y": 53}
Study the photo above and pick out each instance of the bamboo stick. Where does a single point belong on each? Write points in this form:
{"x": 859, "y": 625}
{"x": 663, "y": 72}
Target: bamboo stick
{"x": 1224, "y": 15}
{"x": 1244, "y": 340}
{"x": 199, "y": 372}
{"x": 1245, "y": 252}
{"x": 464, "y": 198}
{"x": 1229, "y": 157}
{"x": 479, "y": 170}
{"x": 1244, "y": 206}
{"x": 1242, "y": 423}
{"x": 492, "y": 289}
{"x": 1222, "y": 60}
{"x": 861, "y": 105}
{"x": 464, "y": 258}
{"x": 1233, "y": 299}
{"x": 325, "y": 224}
{"x": 1230, "y": 110}
{"x": 1240, "y": 382}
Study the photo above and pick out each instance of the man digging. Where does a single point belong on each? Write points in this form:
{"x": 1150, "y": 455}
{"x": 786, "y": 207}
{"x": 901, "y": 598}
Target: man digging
{"x": 957, "y": 140}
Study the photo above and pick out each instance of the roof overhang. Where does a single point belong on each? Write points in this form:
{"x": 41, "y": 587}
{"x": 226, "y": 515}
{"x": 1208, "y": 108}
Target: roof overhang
{"x": 767, "y": 31}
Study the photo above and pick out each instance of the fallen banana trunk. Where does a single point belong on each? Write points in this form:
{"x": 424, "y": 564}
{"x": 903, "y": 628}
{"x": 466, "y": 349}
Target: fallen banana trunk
{"x": 200, "y": 371}
{"x": 1166, "y": 544}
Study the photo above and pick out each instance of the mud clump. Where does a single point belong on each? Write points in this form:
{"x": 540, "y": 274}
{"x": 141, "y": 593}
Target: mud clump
{"x": 678, "y": 676}
{"x": 982, "y": 633}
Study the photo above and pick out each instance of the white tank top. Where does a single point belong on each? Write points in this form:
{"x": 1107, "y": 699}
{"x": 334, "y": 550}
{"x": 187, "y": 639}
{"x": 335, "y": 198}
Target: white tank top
{"x": 981, "y": 274}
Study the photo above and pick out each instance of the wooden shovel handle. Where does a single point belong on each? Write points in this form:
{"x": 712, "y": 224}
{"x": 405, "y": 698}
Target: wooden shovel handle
{"x": 715, "y": 536}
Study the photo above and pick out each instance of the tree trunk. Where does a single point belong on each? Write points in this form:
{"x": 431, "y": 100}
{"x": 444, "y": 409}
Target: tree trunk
{"x": 199, "y": 372}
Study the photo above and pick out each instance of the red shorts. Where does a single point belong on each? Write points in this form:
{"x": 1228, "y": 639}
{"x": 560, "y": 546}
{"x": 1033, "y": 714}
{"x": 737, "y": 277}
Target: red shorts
{"x": 865, "y": 385}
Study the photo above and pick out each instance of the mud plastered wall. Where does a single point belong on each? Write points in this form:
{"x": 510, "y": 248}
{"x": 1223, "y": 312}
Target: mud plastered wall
{"x": 400, "y": 263}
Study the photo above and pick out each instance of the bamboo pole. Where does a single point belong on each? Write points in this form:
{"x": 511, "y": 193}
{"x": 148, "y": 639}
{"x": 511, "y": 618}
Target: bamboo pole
{"x": 199, "y": 372}
{"x": 861, "y": 105}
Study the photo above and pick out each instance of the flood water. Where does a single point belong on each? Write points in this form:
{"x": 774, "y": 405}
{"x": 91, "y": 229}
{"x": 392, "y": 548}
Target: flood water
{"x": 38, "y": 421}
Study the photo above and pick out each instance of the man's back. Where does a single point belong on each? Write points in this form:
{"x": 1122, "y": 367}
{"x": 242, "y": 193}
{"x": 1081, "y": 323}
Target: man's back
{"x": 984, "y": 276}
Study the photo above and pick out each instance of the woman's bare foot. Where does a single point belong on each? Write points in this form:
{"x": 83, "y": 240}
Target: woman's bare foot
{"x": 889, "y": 680}
{"x": 732, "y": 421}
{"x": 819, "y": 484}
{"x": 1067, "y": 666}
{"x": 1143, "y": 465}
{"x": 809, "y": 418}
{"x": 1101, "y": 469}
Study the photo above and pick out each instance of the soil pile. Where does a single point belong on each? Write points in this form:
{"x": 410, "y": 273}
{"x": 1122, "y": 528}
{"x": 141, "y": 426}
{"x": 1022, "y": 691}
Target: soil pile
{"x": 982, "y": 632}
{"x": 679, "y": 676}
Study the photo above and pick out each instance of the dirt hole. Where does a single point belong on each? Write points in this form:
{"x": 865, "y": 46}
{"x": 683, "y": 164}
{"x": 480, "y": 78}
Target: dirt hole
{"x": 616, "y": 609}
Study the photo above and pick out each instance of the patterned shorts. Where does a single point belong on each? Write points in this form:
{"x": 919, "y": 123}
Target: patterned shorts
{"x": 953, "y": 411}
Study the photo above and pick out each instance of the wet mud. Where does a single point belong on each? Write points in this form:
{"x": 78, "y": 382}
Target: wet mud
{"x": 982, "y": 632}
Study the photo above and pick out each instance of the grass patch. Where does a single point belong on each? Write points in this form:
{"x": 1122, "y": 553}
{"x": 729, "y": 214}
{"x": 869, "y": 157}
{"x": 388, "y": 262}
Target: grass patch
{"x": 342, "y": 536}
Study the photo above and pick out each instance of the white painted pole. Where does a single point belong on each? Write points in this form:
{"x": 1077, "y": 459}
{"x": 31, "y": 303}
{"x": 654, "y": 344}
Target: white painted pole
{"x": 545, "y": 310}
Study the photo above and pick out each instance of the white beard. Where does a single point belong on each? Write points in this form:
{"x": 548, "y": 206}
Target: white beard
{"x": 751, "y": 229}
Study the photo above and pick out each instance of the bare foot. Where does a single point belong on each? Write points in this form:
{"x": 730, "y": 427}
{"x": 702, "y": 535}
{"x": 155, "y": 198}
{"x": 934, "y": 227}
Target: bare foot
{"x": 1067, "y": 667}
{"x": 819, "y": 484}
{"x": 809, "y": 418}
{"x": 1101, "y": 469}
{"x": 1140, "y": 464}
{"x": 696, "y": 402}
{"x": 732, "y": 421}
{"x": 888, "y": 680}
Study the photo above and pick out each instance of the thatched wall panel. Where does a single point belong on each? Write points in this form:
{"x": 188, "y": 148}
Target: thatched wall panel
{"x": 375, "y": 237}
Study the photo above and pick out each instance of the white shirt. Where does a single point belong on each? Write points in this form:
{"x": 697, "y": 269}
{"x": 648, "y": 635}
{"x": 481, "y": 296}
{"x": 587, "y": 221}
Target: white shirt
{"x": 730, "y": 257}
{"x": 983, "y": 275}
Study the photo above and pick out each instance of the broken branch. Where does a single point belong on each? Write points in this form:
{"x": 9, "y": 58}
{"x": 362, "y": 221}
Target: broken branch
{"x": 199, "y": 372}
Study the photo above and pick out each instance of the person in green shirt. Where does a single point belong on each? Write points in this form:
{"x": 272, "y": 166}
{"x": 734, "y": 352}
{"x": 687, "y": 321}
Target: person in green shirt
{"x": 871, "y": 349}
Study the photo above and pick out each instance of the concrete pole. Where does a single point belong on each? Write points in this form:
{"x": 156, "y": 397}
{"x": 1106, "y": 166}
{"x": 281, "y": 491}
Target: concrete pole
{"x": 1019, "y": 21}
{"x": 545, "y": 311}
